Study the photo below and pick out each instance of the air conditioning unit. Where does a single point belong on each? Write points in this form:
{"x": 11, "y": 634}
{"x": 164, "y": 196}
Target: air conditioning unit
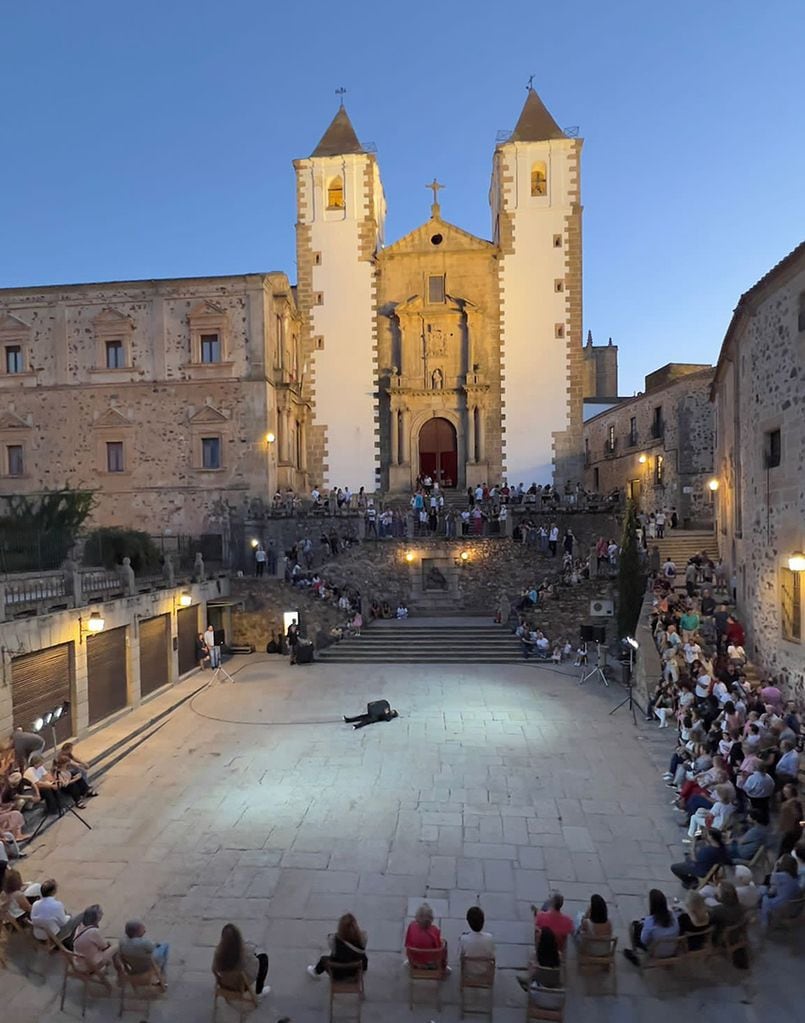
{"x": 602, "y": 608}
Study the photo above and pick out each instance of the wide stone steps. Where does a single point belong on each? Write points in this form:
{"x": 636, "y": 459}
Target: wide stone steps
{"x": 407, "y": 643}
{"x": 682, "y": 545}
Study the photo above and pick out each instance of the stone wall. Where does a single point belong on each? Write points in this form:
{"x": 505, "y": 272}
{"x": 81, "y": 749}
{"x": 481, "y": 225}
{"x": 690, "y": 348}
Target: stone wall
{"x": 761, "y": 508}
{"x": 684, "y": 444}
{"x": 265, "y": 600}
{"x": 161, "y": 401}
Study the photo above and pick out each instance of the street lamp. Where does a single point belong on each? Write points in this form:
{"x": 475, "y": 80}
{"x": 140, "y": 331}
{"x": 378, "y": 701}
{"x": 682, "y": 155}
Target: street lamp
{"x": 796, "y": 561}
{"x": 270, "y": 437}
{"x": 643, "y": 459}
{"x": 409, "y": 556}
{"x": 92, "y": 625}
{"x": 713, "y": 485}
{"x": 185, "y": 599}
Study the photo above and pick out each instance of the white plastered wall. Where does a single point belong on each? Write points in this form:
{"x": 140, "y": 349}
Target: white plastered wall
{"x": 535, "y": 366}
{"x": 345, "y": 390}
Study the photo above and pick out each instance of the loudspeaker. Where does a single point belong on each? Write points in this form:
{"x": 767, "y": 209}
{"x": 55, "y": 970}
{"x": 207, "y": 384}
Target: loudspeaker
{"x": 220, "y": 637}
{"x": 602, "y": 608}
{"x": 304, "y": 652}
{"x": 593, "y": 633}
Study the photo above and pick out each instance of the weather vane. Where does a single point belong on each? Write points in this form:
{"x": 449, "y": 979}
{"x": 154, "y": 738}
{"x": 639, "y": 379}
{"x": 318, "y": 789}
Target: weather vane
{"x": 341, "y": 93}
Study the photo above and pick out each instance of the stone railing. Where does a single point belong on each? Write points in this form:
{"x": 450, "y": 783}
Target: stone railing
{"x": 648, "y": 665}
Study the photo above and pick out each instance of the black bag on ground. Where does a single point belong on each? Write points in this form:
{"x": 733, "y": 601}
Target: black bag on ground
{"x": 304, "y": 652}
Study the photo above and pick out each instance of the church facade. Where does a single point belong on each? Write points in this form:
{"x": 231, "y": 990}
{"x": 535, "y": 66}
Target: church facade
{"x": 443, "y": 354}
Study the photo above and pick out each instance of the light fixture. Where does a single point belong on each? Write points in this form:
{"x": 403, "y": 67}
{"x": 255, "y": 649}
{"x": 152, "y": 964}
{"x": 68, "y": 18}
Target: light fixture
{"x": 632, "y": 642}
{"x": 409, "y": 556}
{"x": 713, "y": 485}
{"x": 48, "y": 718}
{"x": 38, "y": 724}
{"x": 254, "y": 543}
{"x": 643, "y": 459}
{"x": 185, "y": 599}
{"x": 57, "y": 713}
{"x": 465, "y": 555}
{"x": 94, "y": 624}
{"x": 796, "y": 561}
{"x": 270, "y": 437}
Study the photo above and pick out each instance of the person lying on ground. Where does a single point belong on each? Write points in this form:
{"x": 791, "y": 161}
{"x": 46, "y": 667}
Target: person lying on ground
{"x": 377, "y": 710}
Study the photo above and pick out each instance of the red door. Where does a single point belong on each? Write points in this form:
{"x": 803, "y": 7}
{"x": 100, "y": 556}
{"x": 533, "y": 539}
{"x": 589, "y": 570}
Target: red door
{"x": 438, "y": 452}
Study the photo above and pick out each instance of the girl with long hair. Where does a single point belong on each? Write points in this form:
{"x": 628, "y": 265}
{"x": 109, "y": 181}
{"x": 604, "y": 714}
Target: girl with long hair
{"x": 347, "y": 946}
{"x": 235, "y": 958}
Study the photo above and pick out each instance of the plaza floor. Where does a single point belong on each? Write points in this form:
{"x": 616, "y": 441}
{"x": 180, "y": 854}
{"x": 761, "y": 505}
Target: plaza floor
{"x": 256, "y": 804}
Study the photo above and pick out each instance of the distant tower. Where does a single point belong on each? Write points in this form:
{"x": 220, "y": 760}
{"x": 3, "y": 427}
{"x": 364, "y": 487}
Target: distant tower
{"x": 536, "y": 217}
{"x": 340, "y": 215}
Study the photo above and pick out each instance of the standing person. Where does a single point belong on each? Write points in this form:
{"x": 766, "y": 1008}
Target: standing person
{"x": 660, "y": 522}
{"x": 553, "y": 539}
{"x": 234, "y": 956}
{"x": 271, "y": 557}
{"x": 292, "y": 638}
{"x": 567, "y": 542}
{"x": 347, "y": 945}
{"x": 213, "y": 649}
{"x": 260, "y": 559}
{"x": 674, "y": 519}
{"x": 26, "y": 744}
{"x": 202, "y": 652}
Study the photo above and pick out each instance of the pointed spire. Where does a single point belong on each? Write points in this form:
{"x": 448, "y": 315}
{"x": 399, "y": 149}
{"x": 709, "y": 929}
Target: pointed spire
{"x": 340, "y": 137}
{"x": 535, "y": 123}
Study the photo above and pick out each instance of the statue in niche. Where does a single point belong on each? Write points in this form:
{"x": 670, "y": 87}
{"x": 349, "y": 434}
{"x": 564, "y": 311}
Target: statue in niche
{"x": 434, "y": 579}
{"x": 437, "y": 380}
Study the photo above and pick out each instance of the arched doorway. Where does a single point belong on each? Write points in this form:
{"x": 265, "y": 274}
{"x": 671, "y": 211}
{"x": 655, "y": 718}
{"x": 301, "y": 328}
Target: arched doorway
{"x": 438, "y": 452}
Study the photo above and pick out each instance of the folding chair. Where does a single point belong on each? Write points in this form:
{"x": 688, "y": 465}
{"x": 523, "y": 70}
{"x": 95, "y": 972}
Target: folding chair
{"x": 77, "y": 968}
{"x": 477, "y": 974}
{"x": 348, "y": 982}
{"x": 429, "y": 965}
{"x": 598, "y": 954}
{"x": 144, "y": 986}
{"x": 235, "y": 989}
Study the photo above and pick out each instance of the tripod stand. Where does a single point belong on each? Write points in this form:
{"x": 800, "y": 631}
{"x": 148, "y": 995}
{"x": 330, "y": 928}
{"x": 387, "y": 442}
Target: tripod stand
{"x": 221, "y": 671}
{"x": 627, "y": 699}
{"x": 597, "y": 671}
{"x": 61, "y": 810}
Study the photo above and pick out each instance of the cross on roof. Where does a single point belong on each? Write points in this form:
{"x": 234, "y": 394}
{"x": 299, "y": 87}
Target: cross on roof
{"x": 435, "y": 187}
{"x": 530, "y": 85}
{"x": 341, "y": 92}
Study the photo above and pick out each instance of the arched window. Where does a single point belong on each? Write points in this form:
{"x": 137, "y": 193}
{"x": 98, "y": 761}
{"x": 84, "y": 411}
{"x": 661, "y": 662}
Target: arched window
{"x": 539, "y": 179}
{"x": 335, "y": 193}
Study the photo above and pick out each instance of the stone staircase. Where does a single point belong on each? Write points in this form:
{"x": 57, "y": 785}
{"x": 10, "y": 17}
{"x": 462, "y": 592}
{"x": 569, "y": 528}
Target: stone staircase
{"x": 682, "y": 544}
{"x": 443, "y": 640}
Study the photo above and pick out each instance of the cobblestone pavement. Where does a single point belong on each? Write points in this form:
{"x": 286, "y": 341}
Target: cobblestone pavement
{"x": 256, "y": 804}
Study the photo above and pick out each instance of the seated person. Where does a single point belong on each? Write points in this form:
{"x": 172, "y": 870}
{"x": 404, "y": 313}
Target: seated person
{"x": 745, "y": 887}
{"x": 709, "y": 853}
{"x": 422, "y": 936}
{"x": 47, "y": 786}
{"x": 48, "y": 916}
{"x": 12, "y": 822}
{"x": 94, "y": 952}
{"x": 65, "y": 766}
{"x": 402, "y": 611}
{"x": 235, "y": 958}
{"x": 694, "y": 920}
{"x": 543, "y": 982}
{"x": 655, "y": 931}
{"x": 594, "y": 928}
{"x": 13, "y": 900}
{"x": 727, "y": 912}
{"x": 718, "y": 816}
{"x": 755, "y": 837}
{"x": 347, "y": 946}
{"x": 551, "y": 915}
{"x": 139, "y": 954}
{"x": 787, "y": 767}
{"x": 782, "y": 891}
{"x": 476, "y": 943}
{"x": 377, "y": 710}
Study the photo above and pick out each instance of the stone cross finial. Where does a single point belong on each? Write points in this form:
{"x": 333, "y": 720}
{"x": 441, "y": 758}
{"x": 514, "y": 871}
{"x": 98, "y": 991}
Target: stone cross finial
{"x": 341, "y": 92}
{"x": 435, "y": 187}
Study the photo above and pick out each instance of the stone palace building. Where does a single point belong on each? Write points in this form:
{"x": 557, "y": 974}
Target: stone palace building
{"x": 441, "y": 353}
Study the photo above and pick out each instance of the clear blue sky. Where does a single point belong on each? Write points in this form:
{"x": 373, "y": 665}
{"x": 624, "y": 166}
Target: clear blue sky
{"x": 155, "y": 139}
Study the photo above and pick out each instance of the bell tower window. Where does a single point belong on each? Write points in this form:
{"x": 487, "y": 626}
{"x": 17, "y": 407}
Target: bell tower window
{"x": 335, "y": 193}
{"x": 539, "y": 178}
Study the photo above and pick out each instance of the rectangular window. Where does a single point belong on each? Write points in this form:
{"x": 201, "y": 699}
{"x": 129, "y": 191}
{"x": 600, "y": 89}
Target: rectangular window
{"x": 210, "y": 348}
{"x": 596, "y": 481}
{"x": 114, "y": 355}
{"x": 633, "y": 431}
{"x": 114, "y": 456}
{"x": 659, "y": 470}
{"x": 211, "y": 452}
{"x": 774, "y": 449}
{"x": 14, "y": 359}
{"x": 657, "y": 423}
{"x": 611, "y": 437}
{"x": 14, "y": 460}
{"x": 791, "y": 604}
{"x": 436, "y": 288}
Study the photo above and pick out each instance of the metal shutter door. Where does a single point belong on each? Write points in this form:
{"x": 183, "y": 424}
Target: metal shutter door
{"x": 40, "y": 682}
{"x": 154, "y": 664}
{"x": 187, "y": 629}
{"x": 106, "y": 673}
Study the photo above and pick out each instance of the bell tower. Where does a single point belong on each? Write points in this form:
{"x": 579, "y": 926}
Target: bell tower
{"x": 341, "y": 211}
{"x": 535, "y": 198}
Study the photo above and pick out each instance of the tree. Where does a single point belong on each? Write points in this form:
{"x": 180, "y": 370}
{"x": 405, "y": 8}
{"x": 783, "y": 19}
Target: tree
{"x": 108, "y": 545}
{"x": 38, "y": 531}
{"x": 631, "y": 577}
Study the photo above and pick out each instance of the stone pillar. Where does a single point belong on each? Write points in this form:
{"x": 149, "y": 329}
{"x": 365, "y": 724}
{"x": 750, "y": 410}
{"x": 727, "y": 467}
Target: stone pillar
{"x": 481, "y": 441}
{"x": 471, "y": 434}
{"x": 406, "y": 436}
{"x": 133, "y": 680}
{"x": 284, "y": 430}
{"x": 303, "y": 443}
{"x": 395, "y": 437}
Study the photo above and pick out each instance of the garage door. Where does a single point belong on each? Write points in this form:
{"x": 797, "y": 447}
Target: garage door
{"x": 39, "y": 683}
{"x": 187, "y": 629}
{"x": 154, "y": 653}
{"x": 106, "y": 673}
